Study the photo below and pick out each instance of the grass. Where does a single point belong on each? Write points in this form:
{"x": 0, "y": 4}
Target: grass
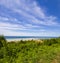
{"x": 47, "y": 51}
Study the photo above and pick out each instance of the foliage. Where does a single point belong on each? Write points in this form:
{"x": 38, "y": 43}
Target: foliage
{"x": 2, "y": 41}
{"x": 50, "y": 41}
{"x": 30, "y": 51}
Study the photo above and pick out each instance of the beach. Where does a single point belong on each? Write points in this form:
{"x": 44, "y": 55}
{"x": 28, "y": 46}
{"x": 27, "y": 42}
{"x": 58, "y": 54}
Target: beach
{"x": 19, "y": 39}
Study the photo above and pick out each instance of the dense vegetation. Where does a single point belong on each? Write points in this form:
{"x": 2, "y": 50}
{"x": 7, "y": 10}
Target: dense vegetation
{"x": 31, "y": 51}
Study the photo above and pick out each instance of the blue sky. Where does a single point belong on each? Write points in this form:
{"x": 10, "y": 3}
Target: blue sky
{"x": 30, "y": 17}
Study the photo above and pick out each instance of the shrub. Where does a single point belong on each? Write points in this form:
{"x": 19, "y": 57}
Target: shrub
{"x": 50, "y": 41}
{"x": 2, "y": 41}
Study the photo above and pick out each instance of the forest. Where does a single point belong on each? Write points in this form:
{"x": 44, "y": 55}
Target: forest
{"x": 31, "y": 51}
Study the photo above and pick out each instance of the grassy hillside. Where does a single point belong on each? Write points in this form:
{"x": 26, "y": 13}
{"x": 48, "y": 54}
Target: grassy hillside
{"x": 43, "y": 51}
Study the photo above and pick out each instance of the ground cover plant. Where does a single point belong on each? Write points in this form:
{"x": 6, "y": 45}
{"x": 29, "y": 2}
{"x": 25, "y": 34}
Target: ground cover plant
{"x": 31, "y": 51}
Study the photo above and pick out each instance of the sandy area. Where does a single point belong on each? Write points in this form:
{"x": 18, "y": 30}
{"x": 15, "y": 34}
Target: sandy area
{"x": 22, "y": 39}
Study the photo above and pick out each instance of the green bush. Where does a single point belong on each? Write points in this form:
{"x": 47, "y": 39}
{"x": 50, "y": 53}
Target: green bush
{"x": 50, "y": 41}
{"x": 29, "y": 51}
{"x": 2, "y": 41}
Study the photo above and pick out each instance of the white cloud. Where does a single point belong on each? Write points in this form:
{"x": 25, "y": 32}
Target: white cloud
{"x": 14, "y": 33}
{"x": 33, "y": 14}
{"x": 17, "y": 27}
{"x": 7, "y": 19}
{"x": 25, "y": 7}
{"x": 11, "y": 26}
{"x": 29, "y": 10}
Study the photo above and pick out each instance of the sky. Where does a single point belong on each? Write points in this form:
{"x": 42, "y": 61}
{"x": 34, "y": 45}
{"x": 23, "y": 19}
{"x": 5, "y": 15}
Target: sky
{"x": 30, "y": 17}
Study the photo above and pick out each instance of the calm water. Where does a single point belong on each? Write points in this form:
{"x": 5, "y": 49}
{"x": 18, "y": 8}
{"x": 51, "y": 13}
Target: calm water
{"x": 13, "y": 38}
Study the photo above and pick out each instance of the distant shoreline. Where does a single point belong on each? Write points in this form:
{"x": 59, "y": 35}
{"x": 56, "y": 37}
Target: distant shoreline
{"x": 18, "y": 38}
